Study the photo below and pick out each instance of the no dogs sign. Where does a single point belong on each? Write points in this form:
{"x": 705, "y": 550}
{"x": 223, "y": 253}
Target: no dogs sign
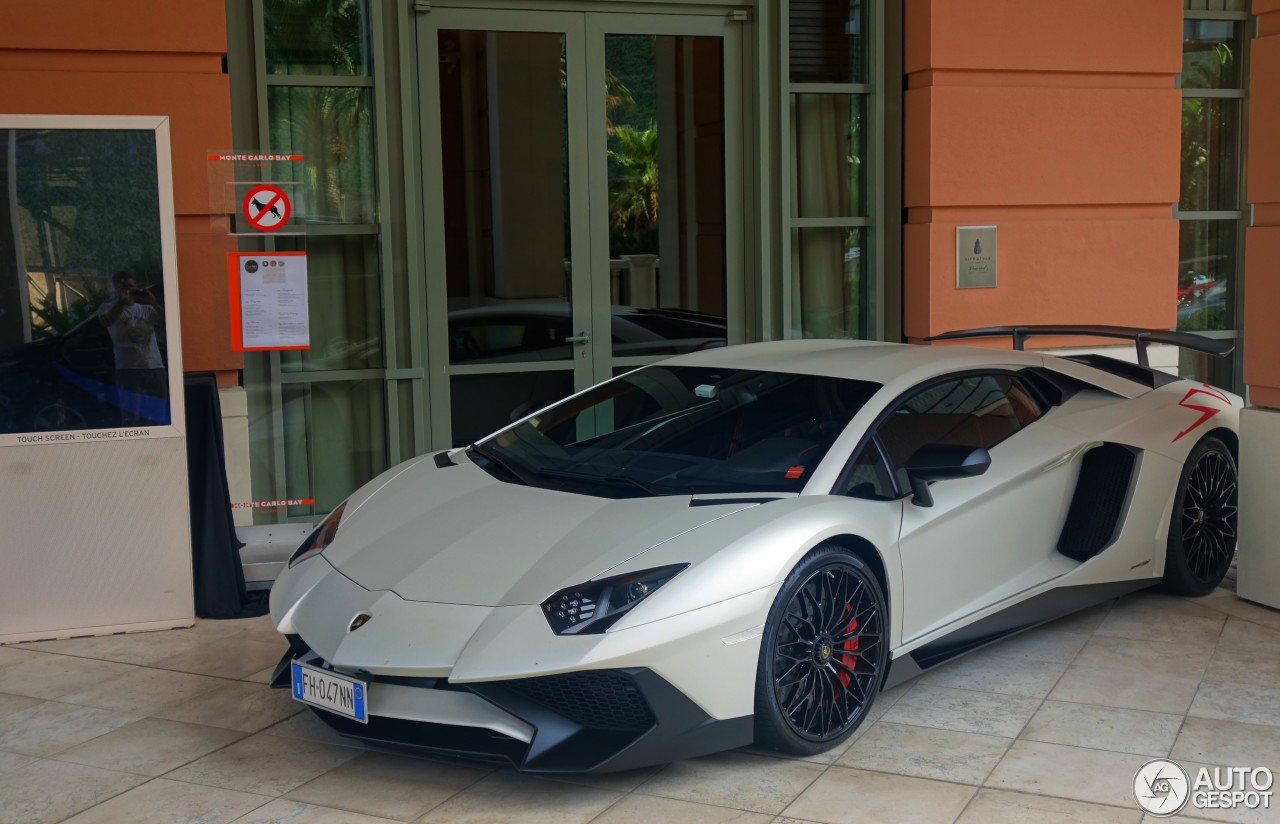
{"x": 267, "y": 208}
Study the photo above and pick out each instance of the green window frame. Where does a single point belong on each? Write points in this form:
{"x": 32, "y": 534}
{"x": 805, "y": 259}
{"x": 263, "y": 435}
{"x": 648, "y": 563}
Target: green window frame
{"x": 1211, "y": 210}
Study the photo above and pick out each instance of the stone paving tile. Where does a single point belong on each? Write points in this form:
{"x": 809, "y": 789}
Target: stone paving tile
{"x": 924, "y": 752}
{"x": 963, "y": 710}
{"x": 505, "y": 797}
{"x": 988, "y": 672}
{"x": 735, "y": 779}
{"x": 225, "y": 657}
{"x": 13, "y": 703}
{"x": 142, "y": 648}
{"x": 10, "y": 655}
{"x": 1248, "y": 703}
{"x": 264, "y": 764}
{"x": 12, "y": 761}
{"x": 1076, "y": 773}
{"x": 1137, "y": 666}
{"x": 44, "y": 792}
{"x": 1085, "y": 621}
{"x": 388, "y": 785}
{"x": 1126, "y": 687}
{"x": 236, "y": 705}
{"x": 151, "y": 746}
{"x": 1158, "y": 657}
{"x": 636, "y": 808}
{"x": 1163, "y": 625}
{"x": 295, "y": 812}
{"x": 172, "y": 802}
{"x": 1104, "y": 728}
{"x": 874, "y": 796}
{"x": 1051, "y": 646}
{"x": 1230, "y": 743}
{"x": 1001, "y": 807}
{"x": 52, "y": 676}
{"x": 143, "y": 691}
{"x": 51, "y": 727}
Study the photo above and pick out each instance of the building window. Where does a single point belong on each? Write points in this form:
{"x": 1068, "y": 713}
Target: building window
{"x": 1210, "y": 206}
{"x": 318, "y": 418}
{"x": 835, "y": 230}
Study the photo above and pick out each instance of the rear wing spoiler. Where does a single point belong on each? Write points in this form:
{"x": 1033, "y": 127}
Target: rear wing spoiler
{"x": 1140, "y": 337}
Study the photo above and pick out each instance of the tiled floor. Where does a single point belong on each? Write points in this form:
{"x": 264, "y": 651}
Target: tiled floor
{"x": 1047, "y": 727}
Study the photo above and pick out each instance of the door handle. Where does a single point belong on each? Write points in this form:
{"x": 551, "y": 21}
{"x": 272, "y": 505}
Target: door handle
{"x": 581, "y": 337}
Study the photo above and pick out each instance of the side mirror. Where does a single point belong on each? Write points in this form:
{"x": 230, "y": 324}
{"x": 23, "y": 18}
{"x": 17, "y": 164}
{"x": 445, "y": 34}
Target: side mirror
{"x": 943, "y": 462}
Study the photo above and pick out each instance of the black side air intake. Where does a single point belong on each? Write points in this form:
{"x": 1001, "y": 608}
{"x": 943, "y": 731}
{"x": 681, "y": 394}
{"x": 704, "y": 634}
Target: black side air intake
{"x": 1099, "y": 500}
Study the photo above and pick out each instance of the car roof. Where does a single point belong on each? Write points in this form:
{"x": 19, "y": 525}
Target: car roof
{"x": 885, "y": 363}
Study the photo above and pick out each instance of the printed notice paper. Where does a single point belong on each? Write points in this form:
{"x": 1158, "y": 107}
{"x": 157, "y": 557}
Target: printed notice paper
{"x": 269, "y": 301}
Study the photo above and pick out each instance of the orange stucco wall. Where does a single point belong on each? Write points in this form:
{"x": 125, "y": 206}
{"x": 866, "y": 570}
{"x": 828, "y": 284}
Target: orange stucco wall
{"x": 142, "y": 57}
{"x": 1262, "y": 239}
{"x": 1059, "y": 124}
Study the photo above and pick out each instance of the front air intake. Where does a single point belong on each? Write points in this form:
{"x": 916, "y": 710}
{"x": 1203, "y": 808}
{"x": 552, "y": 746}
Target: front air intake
{"x": 598, "y": 699}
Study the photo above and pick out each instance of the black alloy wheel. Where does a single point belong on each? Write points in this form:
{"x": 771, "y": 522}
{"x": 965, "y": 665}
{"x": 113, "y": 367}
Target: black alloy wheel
{"x": 824, "y": 654}
{"x": 1202, "y": 531}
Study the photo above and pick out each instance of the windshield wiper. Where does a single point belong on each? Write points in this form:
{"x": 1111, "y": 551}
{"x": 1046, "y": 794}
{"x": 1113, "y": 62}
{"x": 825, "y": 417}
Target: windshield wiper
{"x": 652, "y": 490}
{"x": 490, "y": 456}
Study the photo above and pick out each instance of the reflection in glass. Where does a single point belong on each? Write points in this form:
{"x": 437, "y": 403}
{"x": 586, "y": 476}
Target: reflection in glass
{"x": 1220, "y": 372}
{"x": 1207, "y": 268}
{"x": 830, "y": 145}
{"x": 831, "y": 290}
{"x": 483, "y": 404}
{"x": 664, "y": 104}
{"x": 1211, "y": 54}
{"x": 82, "y": 325}
{"x": 1210, "y": 161}
{"x": 332, "y": 440}
{"x": 331, "y": 127}
{"x": 505, "y": 175}
{"x": 343, "y": 297}
{"x": 325, "y": 37}
{"x": 829, "y": 42}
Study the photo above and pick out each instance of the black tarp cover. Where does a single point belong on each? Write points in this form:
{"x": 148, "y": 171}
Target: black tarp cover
{"x": 215, "y": 551}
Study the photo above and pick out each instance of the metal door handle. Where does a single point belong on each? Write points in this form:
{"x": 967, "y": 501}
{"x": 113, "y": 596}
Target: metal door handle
{"x": 581, "y": 337}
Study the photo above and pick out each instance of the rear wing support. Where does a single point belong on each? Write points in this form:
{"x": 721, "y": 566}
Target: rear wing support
{"x": 1141, "y": 337}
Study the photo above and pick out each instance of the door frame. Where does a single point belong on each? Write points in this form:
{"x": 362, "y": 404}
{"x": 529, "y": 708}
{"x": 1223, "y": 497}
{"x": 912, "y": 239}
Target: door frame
{"x": 584, "y": 31}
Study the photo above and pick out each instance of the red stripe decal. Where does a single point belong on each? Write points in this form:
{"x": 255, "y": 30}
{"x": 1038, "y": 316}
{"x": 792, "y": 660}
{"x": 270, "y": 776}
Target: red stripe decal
{"x": 1206, "y": 412}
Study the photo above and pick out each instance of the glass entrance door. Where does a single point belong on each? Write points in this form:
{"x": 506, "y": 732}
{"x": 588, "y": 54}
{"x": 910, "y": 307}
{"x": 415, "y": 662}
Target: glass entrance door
{"x": 588, "y": 217}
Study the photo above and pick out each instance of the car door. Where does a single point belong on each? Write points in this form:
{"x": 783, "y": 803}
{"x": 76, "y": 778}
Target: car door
{"x": 984, "y": 538}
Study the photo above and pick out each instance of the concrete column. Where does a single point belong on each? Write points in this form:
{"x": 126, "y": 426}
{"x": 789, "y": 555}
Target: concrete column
{"x": 235, "y": 439}
{"x": 1059, "y": 123}
{"x": 1259, "y": 569}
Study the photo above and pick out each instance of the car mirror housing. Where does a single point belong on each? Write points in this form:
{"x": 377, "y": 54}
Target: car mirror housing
{"x": 943, "y": 462}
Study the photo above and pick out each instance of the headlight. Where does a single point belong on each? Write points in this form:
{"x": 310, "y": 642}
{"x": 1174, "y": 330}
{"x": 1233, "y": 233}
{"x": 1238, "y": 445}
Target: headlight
{"x": 595, "y": 606}
{"x": 320, "y": 538}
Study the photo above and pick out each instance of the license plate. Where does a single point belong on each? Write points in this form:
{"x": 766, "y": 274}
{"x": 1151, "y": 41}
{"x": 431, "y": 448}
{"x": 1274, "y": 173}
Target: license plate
{"x": 331, "y": 691}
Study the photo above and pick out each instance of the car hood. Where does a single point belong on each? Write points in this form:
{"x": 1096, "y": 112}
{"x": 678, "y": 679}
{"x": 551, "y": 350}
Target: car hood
{"x": 456, "y": 535}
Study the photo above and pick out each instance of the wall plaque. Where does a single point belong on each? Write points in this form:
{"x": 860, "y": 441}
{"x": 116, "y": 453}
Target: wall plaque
{"x": 975, "y": 257}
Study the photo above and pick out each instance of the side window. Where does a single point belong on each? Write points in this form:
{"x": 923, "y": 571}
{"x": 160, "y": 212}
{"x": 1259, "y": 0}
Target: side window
{"x": 976, "y": 410}
{"x": 869, "y": 476}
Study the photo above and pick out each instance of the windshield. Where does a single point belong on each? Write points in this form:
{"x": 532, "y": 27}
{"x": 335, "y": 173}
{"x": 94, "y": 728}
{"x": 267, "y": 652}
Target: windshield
{"x": 680, "y": 430}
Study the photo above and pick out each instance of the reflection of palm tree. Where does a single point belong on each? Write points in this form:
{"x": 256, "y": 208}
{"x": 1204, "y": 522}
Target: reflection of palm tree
{"x": 634, "y": 203}
{"x": 326, "y": 125}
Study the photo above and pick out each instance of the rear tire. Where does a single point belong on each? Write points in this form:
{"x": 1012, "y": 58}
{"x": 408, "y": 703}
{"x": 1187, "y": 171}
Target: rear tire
{"x": 823, "y": 655}
{"x": 1202, "y": 530}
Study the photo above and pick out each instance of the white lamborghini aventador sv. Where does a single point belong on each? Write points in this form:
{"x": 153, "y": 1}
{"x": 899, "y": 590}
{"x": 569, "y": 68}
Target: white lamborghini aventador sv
{"x": 748, "y": 544}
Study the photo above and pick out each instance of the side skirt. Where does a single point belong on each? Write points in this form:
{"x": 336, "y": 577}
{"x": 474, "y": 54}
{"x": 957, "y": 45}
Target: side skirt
{"x": 1024, "y": 615}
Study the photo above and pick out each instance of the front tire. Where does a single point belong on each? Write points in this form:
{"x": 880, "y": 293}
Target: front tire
{"x": 1202, "y": 530}
{"x": 823, "y": 655}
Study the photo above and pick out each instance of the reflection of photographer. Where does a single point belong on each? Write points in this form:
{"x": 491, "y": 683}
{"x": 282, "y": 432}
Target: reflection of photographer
{"x": 131, "y": 320}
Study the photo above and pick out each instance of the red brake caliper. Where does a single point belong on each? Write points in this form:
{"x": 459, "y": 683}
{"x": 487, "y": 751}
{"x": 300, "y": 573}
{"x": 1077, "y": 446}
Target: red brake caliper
{"x": 851, "y": 661}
